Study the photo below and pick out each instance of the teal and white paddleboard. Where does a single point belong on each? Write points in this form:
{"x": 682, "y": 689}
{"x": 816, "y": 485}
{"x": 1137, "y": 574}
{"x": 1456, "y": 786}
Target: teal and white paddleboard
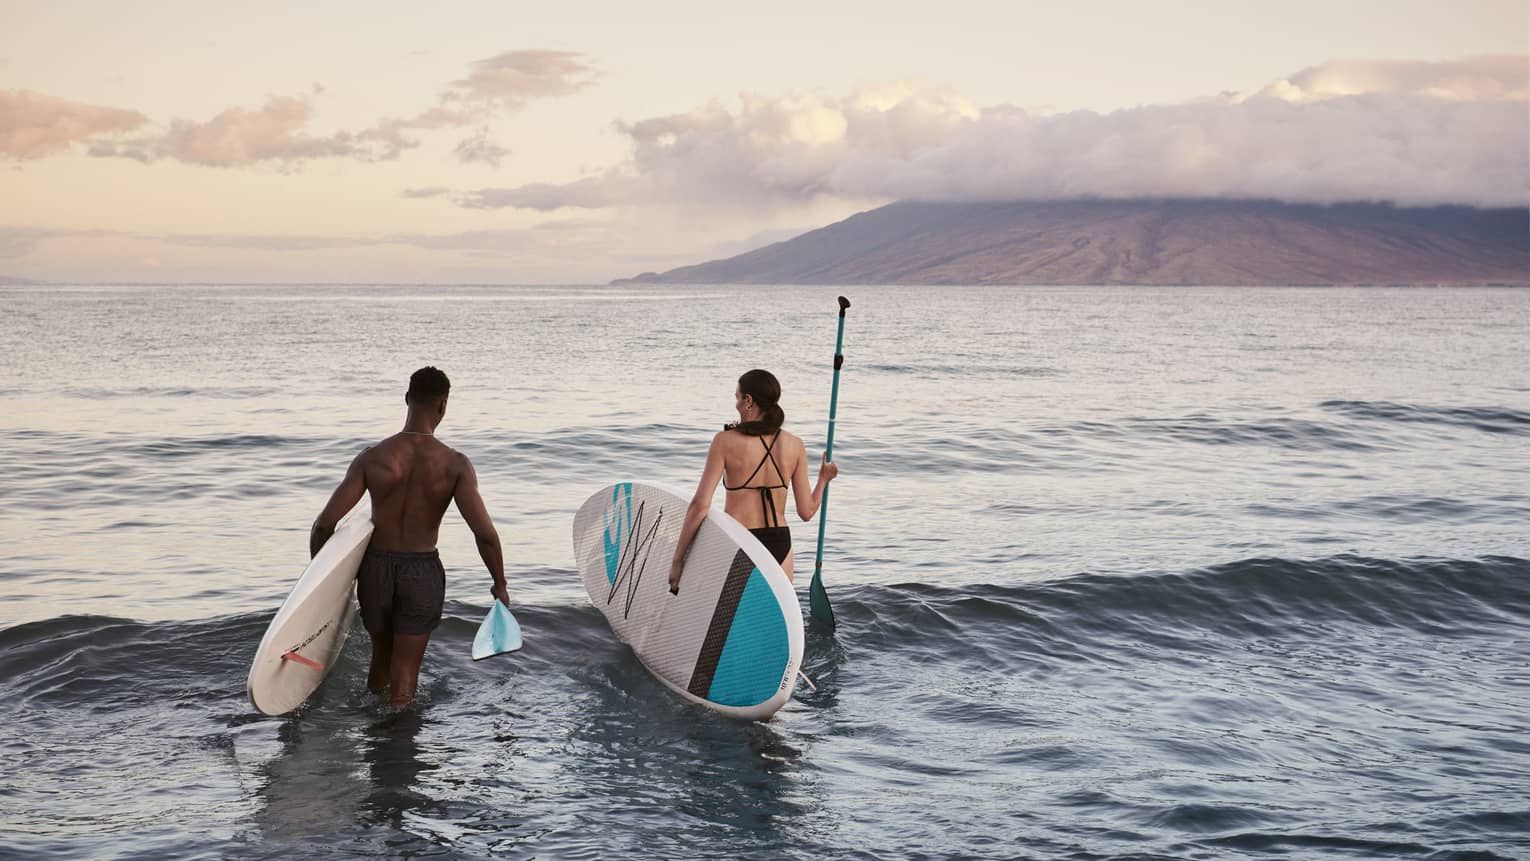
{"x": 731, "y": 640}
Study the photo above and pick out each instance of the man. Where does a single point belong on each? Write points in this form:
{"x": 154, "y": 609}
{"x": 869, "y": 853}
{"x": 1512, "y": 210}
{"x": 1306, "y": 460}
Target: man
{"x": 401, "y": 586}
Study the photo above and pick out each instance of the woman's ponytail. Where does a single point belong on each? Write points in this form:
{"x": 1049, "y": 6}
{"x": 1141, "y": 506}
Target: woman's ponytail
{"x": 765, "y": 389}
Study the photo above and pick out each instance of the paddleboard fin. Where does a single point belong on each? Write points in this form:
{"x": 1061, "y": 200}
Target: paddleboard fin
{"x": 299, "y": 659}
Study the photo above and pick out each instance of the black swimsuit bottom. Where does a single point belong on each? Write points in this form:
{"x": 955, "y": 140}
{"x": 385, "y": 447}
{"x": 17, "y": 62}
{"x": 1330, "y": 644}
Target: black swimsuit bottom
{"x": 776, "y": 538}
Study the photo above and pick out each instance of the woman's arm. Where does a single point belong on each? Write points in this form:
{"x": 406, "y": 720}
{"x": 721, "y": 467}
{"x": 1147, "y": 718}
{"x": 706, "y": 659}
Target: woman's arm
{"x": 696, "y": 512}
{"x": 808, "y": 501}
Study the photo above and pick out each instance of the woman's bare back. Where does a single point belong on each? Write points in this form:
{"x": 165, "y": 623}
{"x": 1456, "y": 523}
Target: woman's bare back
{"x": 742, "y": 453}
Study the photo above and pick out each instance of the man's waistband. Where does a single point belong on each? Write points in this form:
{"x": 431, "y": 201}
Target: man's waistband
{"x": 403, "y": 554}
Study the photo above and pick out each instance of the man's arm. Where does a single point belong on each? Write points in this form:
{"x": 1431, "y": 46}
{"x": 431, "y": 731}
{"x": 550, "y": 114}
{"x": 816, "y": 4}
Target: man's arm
{"x": 470, "y": 506}
{"x": 342, "y": 500}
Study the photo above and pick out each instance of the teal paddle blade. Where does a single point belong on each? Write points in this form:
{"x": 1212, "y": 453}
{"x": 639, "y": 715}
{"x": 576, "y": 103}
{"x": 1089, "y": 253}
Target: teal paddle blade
{"x": 498, "y": 634}
{"x": 818, "y": 603}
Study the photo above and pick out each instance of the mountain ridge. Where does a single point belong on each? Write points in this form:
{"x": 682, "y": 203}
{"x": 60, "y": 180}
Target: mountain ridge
{"x": 1166, "y": 242}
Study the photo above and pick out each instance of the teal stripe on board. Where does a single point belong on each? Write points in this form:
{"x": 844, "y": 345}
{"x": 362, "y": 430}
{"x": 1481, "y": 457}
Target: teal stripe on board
{"x": 618, "y": 524}
{"x": 755, "y": 654}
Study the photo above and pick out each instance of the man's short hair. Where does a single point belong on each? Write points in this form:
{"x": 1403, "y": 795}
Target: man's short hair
{"x": 428, "y": 385}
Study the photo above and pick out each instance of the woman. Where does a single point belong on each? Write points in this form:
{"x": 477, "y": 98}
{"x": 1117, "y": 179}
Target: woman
{"x": 753, "y": 458}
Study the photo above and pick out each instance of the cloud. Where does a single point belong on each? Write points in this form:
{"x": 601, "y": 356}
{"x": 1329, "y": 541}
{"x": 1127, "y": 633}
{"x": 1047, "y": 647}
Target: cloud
{"x": 21, "y": 241}
{"x": 420, "y": 193}
{"x": 33, "y": 125}
{"x": 1501, "y": 77}
{"x": 274, "y": 132}
{"x": 508, "y": 81}
{"x": 277, "y": 131}
{"x": 548, "y": 236}
{"x": 592, "y": 193}
{"x": 480, "y": 149}
{"x": 267, "y": 242}
{"x": 504, "y": 83}
{"x": 581, "y": 249}
{"x": 565, "y": 234}
{"x": 238, "y": 137}
{"x": 1405, "y": 132}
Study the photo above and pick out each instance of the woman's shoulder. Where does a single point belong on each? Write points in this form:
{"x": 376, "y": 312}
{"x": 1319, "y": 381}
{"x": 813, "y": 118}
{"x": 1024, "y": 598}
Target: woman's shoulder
{"x": 728, "y": 436}
{"x": 790, "y": 440}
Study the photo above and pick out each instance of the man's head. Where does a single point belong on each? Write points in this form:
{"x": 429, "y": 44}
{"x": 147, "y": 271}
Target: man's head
{"x": 428, "y": 388}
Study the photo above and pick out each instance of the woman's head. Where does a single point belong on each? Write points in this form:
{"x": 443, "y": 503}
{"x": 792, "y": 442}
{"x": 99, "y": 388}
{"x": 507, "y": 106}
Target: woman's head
{"x": 757, "y": 400}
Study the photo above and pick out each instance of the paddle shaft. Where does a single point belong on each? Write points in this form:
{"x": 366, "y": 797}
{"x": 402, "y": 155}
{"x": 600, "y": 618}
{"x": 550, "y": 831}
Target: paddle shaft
{"x": 827, "y": 614}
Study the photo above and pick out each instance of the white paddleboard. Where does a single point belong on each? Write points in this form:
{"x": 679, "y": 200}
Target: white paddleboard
{"x": 732, "y": 639}
{"x": 304, "y": 639}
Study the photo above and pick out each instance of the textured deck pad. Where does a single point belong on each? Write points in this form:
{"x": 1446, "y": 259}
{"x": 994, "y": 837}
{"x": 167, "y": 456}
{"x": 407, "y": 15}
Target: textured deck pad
{"x": 732, "y": 639}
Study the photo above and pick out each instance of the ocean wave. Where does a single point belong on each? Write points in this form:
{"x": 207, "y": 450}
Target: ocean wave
{"x": 933, "y": 370}
{"x": 1496, "y": 420}
{"x": 1283, "y": 433}
{"x": 1088, "y": 616}
{"x": 213, "y": 392}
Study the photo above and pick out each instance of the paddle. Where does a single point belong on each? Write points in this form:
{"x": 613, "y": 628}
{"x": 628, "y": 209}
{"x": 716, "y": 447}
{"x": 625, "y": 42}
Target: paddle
{"x": 498, "y": 634}
{"x": 818, "y": 597}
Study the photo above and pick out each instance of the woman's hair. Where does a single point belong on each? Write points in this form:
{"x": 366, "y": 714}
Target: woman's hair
{"x": 766, "y": 391}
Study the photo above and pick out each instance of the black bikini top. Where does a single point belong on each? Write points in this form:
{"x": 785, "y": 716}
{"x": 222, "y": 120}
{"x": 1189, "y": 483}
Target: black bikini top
{"x": 767, "y": 499}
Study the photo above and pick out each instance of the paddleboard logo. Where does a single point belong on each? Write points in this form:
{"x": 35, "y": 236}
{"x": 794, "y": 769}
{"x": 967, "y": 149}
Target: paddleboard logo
{"x": 789, "y": 678}
{"x": 311, "y": 638}
{"x": 632, "y": 557}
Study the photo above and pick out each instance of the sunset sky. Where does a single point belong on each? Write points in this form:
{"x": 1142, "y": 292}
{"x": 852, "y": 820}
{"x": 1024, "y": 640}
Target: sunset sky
{"x": 500, "y": 142}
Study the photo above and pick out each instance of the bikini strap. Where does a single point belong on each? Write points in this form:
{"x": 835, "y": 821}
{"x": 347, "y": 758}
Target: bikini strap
{"x": 770, "y": 453}
{"x": 770, "y": 456}
{"x": 767, "y": 499}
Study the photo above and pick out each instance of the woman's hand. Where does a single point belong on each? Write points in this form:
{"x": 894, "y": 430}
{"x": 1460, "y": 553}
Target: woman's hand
{"x": 828, "y": 470}
{"x": 676, "y": 568}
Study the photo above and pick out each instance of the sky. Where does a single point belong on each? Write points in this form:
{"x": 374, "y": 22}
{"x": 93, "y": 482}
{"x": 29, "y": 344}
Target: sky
{"x": 515, "y": 142}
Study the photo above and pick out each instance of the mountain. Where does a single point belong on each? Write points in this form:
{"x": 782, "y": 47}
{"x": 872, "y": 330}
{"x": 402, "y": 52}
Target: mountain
{"x": 1148, "y": 242}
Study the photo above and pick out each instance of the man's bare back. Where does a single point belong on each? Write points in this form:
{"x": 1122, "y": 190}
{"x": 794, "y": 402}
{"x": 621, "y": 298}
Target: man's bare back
{"x": 412, "y": 479}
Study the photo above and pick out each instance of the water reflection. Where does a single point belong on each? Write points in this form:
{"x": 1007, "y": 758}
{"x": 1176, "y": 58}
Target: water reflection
{"x": 311, "y": 788}
{"x": 391, "y": 750}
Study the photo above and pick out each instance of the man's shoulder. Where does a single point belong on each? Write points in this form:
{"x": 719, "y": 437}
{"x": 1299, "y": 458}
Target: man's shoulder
{"x": 456, "y": 459}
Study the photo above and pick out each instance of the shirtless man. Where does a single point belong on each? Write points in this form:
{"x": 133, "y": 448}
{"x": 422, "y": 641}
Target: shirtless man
{"x": 401, "y": 586}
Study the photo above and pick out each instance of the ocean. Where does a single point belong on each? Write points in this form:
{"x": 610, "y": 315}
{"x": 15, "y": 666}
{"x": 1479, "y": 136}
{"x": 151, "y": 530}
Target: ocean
{"x": 1147, "y": 573}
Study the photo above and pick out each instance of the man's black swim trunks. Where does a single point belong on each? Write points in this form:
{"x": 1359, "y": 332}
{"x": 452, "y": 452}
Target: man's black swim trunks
{"x": 400, "y": 593}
